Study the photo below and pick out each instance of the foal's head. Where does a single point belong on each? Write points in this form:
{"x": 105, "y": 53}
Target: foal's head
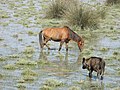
{"x": 81, "y": 44}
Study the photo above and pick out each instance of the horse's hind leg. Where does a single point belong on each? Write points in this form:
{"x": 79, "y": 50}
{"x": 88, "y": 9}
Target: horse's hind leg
{"x": 45, "y": 43}
{"x": 61, "y": 43}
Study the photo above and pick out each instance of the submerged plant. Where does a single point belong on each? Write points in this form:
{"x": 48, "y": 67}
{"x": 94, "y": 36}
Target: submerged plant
{"x": 26, "y": 62}
{"x": 9, "y": 67}
{"x": 29, "y": 72}
{"x": 53, "y": 83}
{"x": 2, "y": 58}
{"x": 29, "y": 50}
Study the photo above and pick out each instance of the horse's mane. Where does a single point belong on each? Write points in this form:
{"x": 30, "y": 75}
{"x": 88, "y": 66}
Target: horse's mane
{"x": 74, "y": 36}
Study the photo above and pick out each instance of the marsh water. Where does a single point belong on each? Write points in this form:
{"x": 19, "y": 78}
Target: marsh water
{"x": 20, "y": 52}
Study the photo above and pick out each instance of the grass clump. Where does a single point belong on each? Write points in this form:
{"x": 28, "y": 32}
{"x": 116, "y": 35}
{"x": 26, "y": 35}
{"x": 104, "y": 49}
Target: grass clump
{"x": 55, "y": 9}
{"x": 26, "y": 62}
{"x": 111, "y": 2}
{"x": 31, "y": 33}
{"x": 28, "y": 78}
{"x": 53, "y": 83}
{"x": 84, "y": 16}
{"x": 29, "y": 50}
{"x": 1, "y": 76}
{"x": 1, "y": 39}
{"x": 14, "y": 56}
{"x": 9, "y": 67}
{"x": 46, "y": 88}
{"x": 3, "y": 14}
{"x": 74, "y": 88}
{"x": 21, "y": 86}
{"x": 2, "y": 58}
{"x": 29, "y": 72}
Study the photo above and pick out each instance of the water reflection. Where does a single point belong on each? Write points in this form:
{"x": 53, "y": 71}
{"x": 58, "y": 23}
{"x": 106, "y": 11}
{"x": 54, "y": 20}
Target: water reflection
{"x": 61, "y": 63}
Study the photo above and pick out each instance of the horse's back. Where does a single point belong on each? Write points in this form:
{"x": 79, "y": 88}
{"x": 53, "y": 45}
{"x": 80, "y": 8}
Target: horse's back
{"x": 56, "y": 33}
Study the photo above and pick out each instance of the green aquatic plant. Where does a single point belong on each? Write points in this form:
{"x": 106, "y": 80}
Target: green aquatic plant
{"x": 28, "y": 78}
{"x": 22, "y": 86}
{"x": 44, "y": 87}
{"x": 1, "y": 39}
{"x": 3, "y": 14}
{"x": 29, "y": 50}
{"x": 2, "y": 58}
{"x": 31, "y": 33}
{"x": 9, "y": 67}
{"x": 1, "y": 76}
{"x": 14, "y": 56}
{"x": 74, "y": 88}
{"x": 29, "y": 72}
{"x": 53, "y": 83}
{"x": 104, "y": 49}
{"x": 25, "y": 62}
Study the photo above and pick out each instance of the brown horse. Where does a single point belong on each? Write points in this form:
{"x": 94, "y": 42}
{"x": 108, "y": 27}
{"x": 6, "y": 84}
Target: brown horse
{"x": 64, "y": 34}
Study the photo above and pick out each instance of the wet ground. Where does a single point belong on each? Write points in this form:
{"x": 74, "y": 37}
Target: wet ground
{"x": 23, "y": 66}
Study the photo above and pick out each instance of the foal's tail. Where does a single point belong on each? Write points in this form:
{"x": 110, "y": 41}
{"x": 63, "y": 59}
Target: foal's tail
{"x": 41, "y": 39}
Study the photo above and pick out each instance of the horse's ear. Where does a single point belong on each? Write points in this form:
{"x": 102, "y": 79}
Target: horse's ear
{"x": 66, "y": 27}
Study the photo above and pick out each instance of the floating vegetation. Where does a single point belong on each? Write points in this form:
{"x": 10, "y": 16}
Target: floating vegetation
{"x": 115, "y": 53}
{"x": 1, "y": 39}
{"x": 31, "y": 33}
{"x": 21, "y": 81}
{"x": 1, "y": 76}
{"x": 29, "y": 72}
{"x": 3, "y": 14}
{"x": 26, "y": 62}
{"x": 20, "y": 39}
{"x": 21, "y": 86}
{"x": 53, "y": 83}
{"x": 28, "y": 78}
{"x": 14, "y": 56}
{"x": 9, "y": 67}
{"x": 74, "y": 88}
{"x": 44, "y": 62}
{"x": 2, "y": 58}
{"x": 104, "y": 49}
{"x": 29, "y": 50}
{"x": 15, "y": 36}
{"x": 44, "y": 87}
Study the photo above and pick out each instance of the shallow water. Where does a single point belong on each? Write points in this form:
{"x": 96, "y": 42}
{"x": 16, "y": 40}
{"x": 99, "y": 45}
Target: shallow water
{"x": 65, "y": 67}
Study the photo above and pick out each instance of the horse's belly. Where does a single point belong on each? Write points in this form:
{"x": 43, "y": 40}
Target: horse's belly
{"x": 56, "y": 40}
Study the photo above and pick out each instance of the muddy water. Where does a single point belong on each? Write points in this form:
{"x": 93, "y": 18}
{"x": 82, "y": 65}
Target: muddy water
{"x": 15, "y": 37}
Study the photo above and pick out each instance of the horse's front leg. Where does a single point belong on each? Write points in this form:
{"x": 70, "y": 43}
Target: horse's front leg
{"x": 66, "y": 46}
{"x": 61, "y": 43}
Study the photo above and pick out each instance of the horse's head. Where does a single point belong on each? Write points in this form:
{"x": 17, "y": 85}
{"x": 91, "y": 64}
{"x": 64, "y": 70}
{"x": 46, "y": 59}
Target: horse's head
{"x": 80, "y": 45}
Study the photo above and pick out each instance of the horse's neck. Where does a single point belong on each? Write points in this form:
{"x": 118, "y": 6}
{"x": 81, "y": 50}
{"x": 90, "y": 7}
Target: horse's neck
{"x": 74, "y": 36}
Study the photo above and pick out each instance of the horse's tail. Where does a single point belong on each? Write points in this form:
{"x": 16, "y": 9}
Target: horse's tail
{"x": 41, "y": 39}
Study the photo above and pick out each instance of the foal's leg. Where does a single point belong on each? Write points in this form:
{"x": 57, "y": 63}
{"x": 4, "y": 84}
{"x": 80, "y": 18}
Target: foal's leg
{"x": 61, "y": 43}
{"x": 102, "y": 73}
